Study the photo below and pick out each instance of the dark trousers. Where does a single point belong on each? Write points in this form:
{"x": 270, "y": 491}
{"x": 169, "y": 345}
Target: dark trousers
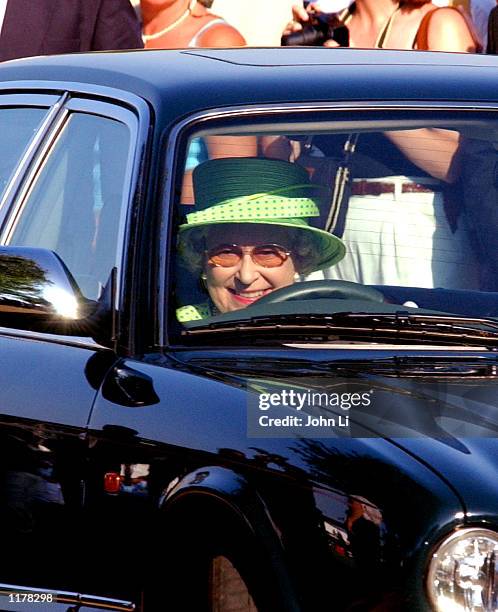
{"x": 493, "y": 32}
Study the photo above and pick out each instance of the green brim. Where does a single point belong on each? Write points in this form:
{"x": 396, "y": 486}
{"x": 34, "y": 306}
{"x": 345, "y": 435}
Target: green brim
{"x": 330, "y": 247}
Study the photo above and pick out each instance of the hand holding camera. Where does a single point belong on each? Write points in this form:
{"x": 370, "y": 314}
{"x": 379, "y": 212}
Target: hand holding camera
{"x": 312, "y": 27}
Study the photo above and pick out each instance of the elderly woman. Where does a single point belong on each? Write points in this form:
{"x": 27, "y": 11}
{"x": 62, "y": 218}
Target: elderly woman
{"x": 249, "y": 233}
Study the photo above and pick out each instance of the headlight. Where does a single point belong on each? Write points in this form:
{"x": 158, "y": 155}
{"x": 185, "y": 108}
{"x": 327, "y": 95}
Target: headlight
{"x": 462, "y": 573}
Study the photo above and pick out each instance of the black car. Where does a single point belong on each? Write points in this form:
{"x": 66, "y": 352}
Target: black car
{"x": 249, "y": 309}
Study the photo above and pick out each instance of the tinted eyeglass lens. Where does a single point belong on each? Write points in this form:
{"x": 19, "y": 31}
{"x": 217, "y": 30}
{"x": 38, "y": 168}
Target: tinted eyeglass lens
{"x": 225, "y": 256}
{"x": 267, "y": 255}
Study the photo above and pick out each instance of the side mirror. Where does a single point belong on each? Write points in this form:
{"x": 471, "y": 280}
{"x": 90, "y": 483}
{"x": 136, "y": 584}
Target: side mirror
{"x": 39, "y": 293}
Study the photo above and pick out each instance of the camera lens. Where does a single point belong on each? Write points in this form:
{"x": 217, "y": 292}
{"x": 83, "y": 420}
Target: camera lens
{"x": 308, "y": 36}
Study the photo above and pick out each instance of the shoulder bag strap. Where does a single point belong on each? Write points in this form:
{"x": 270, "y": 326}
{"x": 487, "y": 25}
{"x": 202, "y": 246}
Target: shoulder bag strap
{"x": 421, "y": 41}
{"x": 342, "y": 178}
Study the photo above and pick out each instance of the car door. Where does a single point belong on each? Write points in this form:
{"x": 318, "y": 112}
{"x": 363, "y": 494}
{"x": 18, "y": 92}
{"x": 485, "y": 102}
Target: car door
{"x": 162, "y": 421}
{"x": 66, "y": 167}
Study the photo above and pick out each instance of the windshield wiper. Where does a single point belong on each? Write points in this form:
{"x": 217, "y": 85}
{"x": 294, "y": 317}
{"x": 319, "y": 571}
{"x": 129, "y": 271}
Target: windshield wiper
{"x": 364, "y": 326}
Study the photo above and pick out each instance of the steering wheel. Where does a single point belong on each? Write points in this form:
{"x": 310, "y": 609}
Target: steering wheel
{"x": 336, "y": 289}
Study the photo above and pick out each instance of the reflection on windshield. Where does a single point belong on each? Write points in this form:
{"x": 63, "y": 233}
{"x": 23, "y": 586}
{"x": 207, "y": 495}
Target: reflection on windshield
{"x": 409, "y": 212}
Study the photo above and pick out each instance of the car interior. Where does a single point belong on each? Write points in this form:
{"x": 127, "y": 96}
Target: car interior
{"x": 413, "y": 199}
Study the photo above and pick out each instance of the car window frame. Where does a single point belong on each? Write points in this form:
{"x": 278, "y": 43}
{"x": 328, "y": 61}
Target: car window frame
{"x": 118, "y": 105}
{"x": 174, "y": 150}
{"x": 52, "y": 103}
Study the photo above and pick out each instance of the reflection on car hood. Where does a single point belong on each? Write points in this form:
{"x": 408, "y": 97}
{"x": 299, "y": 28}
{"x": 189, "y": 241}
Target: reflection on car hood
{"x": 446, "y": 410}
{"x": 470, "y": 465}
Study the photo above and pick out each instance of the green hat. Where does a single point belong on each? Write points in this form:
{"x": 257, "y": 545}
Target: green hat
{"x": 258, "y": 190}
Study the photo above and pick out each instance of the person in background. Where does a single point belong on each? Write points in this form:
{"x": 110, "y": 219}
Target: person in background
{"x": 175, "y": 24}
{"x": 492, "y": 44}
{"x": 408, "y": 24}
{"x": 479, "y": 10}
{"x": 39, "y": 27}
{"x": 406, "y": 167}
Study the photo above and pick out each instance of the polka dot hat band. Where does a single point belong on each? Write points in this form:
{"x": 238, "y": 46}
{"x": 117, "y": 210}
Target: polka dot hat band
{"x": 258, "y": 190}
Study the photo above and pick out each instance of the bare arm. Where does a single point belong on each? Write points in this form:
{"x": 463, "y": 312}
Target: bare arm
{"x": 221, "y": 146}
{"x": 221, "y": 35}
{"x": 224, "y": 35}
{"x": 299, "y": 16}
{"x": 448, "y": 30}
{"x": 431, "y": 149}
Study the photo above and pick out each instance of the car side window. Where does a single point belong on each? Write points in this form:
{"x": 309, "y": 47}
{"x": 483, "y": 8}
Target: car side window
{"x": 17, "y": 126}
{"x": 74, "y": 205}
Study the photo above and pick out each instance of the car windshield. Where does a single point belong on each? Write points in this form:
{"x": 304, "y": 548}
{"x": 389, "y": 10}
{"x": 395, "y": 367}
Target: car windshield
{"x": 389, "y": 212}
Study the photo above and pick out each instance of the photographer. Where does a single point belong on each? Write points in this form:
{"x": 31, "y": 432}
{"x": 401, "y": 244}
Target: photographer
{"x": 385, "y": 24}
{"x": 410, "y": 24}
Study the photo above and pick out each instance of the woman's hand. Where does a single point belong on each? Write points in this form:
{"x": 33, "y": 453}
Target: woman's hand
{"x": 299, "y": 16}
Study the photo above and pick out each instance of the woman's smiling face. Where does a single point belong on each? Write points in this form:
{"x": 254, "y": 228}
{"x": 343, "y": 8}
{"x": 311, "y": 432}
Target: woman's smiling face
{"x": 235, "y": 287}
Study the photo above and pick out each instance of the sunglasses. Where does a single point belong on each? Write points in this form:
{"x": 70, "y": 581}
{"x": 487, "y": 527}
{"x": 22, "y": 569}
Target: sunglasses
{"x": 265, "y": 255}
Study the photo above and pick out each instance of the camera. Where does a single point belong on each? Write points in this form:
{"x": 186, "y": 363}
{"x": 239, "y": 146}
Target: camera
{"x": 322, "y": 27}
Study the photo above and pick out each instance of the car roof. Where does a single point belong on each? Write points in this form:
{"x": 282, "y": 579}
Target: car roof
{"x": 178, "y": 82}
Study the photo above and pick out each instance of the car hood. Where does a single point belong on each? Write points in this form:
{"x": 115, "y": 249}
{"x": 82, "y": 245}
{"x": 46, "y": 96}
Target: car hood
{"x": 469, "y": 464}
{"x": 441, "y": 411}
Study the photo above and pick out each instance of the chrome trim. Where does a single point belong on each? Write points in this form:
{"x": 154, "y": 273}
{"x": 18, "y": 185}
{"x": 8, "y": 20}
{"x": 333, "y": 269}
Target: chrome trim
{"x": 369, "y": 346}
{"x": 63, "y": 597}
{"x": 17, "y": 178}
{"x": 352, "y": 105}
{"x": 170, "y": 144}
{"x": 28, "y": 180}
{"x": 28, "y": 99}
{"x": 78, "y": 341}
{"x": 110, "y": 94}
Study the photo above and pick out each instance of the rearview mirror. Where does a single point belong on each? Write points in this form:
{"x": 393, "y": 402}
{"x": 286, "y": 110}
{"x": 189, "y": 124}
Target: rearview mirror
{"x": 38, "y": 292}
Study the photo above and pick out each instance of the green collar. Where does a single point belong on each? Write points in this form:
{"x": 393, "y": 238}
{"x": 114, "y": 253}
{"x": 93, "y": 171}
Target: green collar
{"x": 194, "y": 312}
